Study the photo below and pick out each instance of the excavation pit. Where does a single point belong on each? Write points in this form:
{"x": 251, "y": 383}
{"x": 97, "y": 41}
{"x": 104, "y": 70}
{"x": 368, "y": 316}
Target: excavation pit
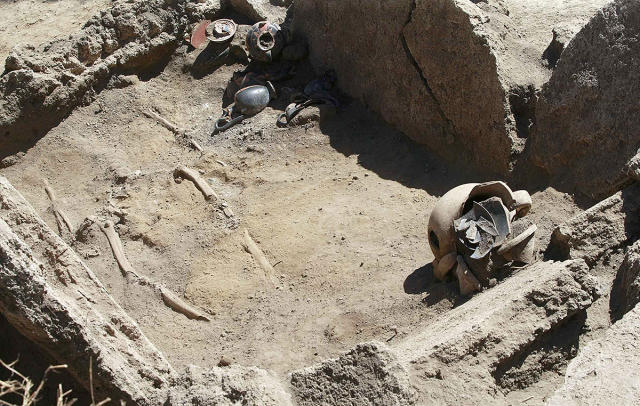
{"x": 337, "y": 204}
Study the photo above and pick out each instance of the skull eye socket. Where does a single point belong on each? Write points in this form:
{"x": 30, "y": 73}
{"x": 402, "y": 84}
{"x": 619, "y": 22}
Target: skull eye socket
{"x": 434, "y": 240}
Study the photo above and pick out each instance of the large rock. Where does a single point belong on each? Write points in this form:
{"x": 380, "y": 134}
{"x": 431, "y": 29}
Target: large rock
{"x": 459, "y": 76}
{"x": 610, "y": 224}
{"x": 588, "y": 115}
{"x": 259, "y": 10}
{"x": 463, "y": 356}
{"x": 231, "y": 385}
{"x": 367, "y": 375}
{"x": 606, "y": 371}
{"x": 626, "y": 292}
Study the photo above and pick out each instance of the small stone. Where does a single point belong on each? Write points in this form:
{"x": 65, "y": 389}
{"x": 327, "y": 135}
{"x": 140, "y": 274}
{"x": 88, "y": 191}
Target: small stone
{"x": 224, "y": 362}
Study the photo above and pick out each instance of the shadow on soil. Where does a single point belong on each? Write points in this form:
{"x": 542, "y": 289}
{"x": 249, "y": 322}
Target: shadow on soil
{"x": 354, "y": 130}
{"x": 422, "y": 281}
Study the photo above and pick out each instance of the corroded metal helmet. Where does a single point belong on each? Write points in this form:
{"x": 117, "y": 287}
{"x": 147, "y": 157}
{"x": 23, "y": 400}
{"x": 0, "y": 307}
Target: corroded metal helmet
{"x": 442, "y": 236}
{"x": 265, "y": 41}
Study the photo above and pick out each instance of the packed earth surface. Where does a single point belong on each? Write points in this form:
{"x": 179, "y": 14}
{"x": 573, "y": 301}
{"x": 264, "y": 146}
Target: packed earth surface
{"x": 347, "y": 309}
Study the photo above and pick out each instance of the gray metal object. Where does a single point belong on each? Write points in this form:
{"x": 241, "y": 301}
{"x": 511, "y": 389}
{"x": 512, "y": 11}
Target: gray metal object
{"x": 248, "y": 101}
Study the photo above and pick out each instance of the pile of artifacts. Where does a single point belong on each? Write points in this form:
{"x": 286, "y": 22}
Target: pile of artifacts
{"x": 270, "y": 52}
{"x": 480, "y": 230}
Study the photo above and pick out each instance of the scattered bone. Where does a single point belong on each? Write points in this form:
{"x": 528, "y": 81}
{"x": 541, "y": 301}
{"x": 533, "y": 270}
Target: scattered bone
{"x": 251, "y": 247}
{"x": 118, "y": 251}
{"x": 193, "y": 176}
{"x": 177, "y": 304}
{"x": 178, "y": 131}
{"x": 226, "y": 210}
{"x": 195, "y": 145}
{"x": 64, "y": 225}
{"x": 57, "y": 317}
{"x": 169, "y": 298}
{"x": 164, "y": 122}
{"x": 220, "y": 162}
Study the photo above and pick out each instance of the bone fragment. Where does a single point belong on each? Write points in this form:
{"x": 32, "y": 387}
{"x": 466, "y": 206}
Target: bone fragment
{"x": 181, "y": 132}
{"x": 164, "y": 122}
{"x": 118, "y": 251}
{"x": 193, "y": 176}
{"x": 251, "y": 247}
{"x": 174, "y": 302}
{"x": 64, "y": 225}
{"x": 195, "y": 144}
{"x": 169, "y": 298}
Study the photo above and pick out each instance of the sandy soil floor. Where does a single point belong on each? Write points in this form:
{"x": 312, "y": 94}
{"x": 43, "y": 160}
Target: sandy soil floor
{"x": 339, "y": 207}
{"x": 37, "y": 21}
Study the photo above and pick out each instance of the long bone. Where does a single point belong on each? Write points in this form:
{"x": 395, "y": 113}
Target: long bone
{"x": 169, "y": 298}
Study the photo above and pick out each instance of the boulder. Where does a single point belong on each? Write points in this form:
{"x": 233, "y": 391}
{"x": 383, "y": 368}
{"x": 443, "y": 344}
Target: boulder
{"x": 368, "y": 374}
{"x": 459, "y": 76}
{"x": 230, "y": 385}
{"x": 613, "y": 223}
{"x": 626, "y": 292}
{"x": 463, "y": 356}
{"x": 260, "y": 10}
{"x": 605, "y": 371}
{"x": 586, "y": 133}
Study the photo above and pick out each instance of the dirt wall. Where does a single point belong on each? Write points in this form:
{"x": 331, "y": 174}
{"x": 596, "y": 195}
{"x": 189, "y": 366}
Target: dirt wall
{"x": 458, "y": 76}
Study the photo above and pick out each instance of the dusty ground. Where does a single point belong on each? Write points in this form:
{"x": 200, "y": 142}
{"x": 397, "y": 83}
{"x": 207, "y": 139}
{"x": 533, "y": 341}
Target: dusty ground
{"x": 37, "y": 21}
{"x": 339, "y": 207}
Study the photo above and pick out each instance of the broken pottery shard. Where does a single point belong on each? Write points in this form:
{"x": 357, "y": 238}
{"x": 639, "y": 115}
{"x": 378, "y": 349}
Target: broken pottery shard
{"x": 468, "y": 283}
{"x": 484, "y": 247}
{"x": 483, "y": 227}
{"x": 487, "y": 227}
{"x": 444, "y": 265}
{"x": 199, "y": 34}
{"x": 499, "y": 216}
{"x": 472, "y": 235}
{"x": 520, "y": 247}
